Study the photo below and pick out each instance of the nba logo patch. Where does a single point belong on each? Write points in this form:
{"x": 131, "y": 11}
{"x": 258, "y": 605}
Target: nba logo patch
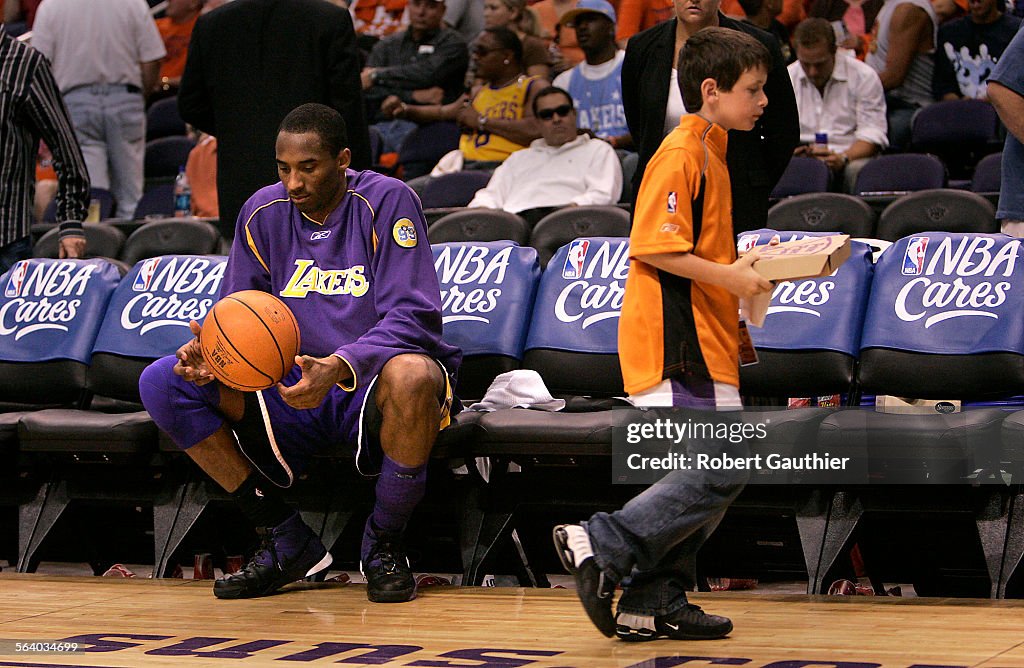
{"x": 672, "y": 201}
{"x": 746, "y": 242}
{"x": 576, "y": 258}
{"x": 145, "y": 276}
{"x": 913, "y": 259}
{"x": 16, "y": 280}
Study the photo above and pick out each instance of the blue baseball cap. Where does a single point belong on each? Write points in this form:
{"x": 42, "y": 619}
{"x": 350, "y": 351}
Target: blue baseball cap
{"x": 601, "y": 7}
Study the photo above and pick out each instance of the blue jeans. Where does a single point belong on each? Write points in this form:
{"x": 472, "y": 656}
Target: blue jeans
{"x": 10, "y": 254}
{"x": 110, "y": 124}
{"x": 651, "y": 544}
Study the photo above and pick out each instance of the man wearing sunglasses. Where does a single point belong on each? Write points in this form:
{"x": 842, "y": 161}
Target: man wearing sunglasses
{"x": 562, "y": 168}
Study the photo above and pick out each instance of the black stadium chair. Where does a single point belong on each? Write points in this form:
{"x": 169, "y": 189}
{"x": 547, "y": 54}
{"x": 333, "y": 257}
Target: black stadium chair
{"x": 823, "y": 212}
{"x": 479, "y": 225}
{"x": 165, "y": 156}
{"x": 425, "y": 145}
{"x": 940, "y": 210}
{"x": 100, "y": 195}
{"x": 107, "y": 450}
{"x": 171, "y": 236}
{"x": 959, "y": 132}
{"x": 163, "y": 120}
{"x": 101, "y": 240}
{"x": 899, "y": 173}
{"x": 933, "y": 466}
{"x": 802, "y": 175}
{"x": 157, "y": 200}
{"x": 562, "y": 226}
{"x": 988, "y": 174}
{"x": 455, "y": 189}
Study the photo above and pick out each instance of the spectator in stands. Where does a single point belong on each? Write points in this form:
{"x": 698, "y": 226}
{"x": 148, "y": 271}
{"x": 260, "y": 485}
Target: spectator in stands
{"x": 378, "y": 18}
{"x": 638, "y": 15}
{"x": 564, "y": 167}
{"x": 851, "y": 20}
{"x": 374, "y": 371}
{"x": 969, "y": 48}
{"x": 679, "y": 348}
{"x": 949, "y": 10}
{"x": 465, "y": 16}
{"x": 499, "y": 120}
{"x": 176, "y": 31}
{"x": 106, "y": 57}
{"x": 201, "y": 170}
{"x": 840, "y": 96}
{"x": 425, "y": 64}
{"x": 509, "y": 14}
{"x": 596, "y": 84}
{"x": 764, "y": 14}
{"x": 252, "y": 62}
{"x": 18, "y": 15}
{"x": 562, "y": 38}
{"x": 653, "y": 105}
{"x": 32, "y": 109}
{"x": 791, "y": 13}
{"x": 1006, "y": 92}
{"x": 902, "y": 54}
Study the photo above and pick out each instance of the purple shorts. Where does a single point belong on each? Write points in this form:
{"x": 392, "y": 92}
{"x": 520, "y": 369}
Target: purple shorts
{"x": 277, "y": 438}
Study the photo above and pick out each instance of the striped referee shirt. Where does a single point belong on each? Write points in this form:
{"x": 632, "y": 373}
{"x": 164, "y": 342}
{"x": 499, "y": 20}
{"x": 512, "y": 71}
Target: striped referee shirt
{"x": 31, "y": 109}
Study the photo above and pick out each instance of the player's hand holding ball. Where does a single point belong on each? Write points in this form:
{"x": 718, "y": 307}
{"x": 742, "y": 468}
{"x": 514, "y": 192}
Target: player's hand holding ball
{"x": 191, "y": 366}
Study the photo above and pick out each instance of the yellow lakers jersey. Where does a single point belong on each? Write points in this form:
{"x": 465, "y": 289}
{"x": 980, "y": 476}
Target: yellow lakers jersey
{"x": 508, "y": 103}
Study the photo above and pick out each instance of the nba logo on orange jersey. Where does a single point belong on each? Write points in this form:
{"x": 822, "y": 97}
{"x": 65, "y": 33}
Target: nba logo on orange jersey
{"x": 145, "y": 276}
{"x": 16, "y": 280}
{"x": 913, "y": 259}
{"x": 672, "y": 201}
{"x": 574, "y": 260}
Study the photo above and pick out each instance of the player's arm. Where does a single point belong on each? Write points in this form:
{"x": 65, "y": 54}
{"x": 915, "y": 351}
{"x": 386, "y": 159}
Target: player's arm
{"x": 738, "y": 278}
{"x": 407, "y": 296}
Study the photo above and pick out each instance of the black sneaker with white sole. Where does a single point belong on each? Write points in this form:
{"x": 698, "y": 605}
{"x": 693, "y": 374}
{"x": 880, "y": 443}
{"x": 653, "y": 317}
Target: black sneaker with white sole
{"x": 594, "y": 589}
{"x": 687, "y": 623}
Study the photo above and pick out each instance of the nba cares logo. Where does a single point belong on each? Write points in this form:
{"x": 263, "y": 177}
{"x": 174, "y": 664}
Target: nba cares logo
{"x": 913, "y": 258}
{"x": 145, "y": 276}
{"x": 576, "y": 258}
{"x": 17, "y": 279}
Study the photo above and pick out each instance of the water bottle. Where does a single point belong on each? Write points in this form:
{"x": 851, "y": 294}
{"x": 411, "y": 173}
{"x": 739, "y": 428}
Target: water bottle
{"x": 182, "y": 195}
{"x": 820, "y": 142}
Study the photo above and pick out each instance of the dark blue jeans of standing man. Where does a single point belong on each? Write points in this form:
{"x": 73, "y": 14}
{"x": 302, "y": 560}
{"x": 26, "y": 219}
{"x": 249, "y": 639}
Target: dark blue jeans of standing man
{"x": 13, "y": 252}
{"x": 651, "y": 544}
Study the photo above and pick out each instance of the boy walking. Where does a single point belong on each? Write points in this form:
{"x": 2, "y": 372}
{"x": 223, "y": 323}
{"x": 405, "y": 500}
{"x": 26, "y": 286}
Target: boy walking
{"x": 679, "y": 347}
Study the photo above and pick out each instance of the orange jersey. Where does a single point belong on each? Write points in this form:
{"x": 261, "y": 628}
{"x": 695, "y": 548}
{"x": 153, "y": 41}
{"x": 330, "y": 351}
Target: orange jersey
{"x": 176, "y": 37}
{"x": 673, "y": 326}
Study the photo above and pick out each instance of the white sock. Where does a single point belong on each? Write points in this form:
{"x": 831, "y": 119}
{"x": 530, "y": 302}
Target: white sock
{"x": 579, "y": 543}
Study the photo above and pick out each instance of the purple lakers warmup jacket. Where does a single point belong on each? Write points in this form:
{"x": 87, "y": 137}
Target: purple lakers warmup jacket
{"x": 362, "y": 285}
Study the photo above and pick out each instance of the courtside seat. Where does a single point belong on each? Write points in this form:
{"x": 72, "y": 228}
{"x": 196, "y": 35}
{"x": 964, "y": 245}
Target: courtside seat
{"x": 51, "y": 312}
{"x": 109, "y": 456}
{"x": 808, "y": 347}
{"x": 564, "y": 457}
{"x": 943, "y": 322}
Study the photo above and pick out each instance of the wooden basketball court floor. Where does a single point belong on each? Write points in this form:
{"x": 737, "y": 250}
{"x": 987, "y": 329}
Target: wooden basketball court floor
{"x": 137, "y": 622}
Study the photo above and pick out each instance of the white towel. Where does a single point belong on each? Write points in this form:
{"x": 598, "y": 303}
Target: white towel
{"x": 522, "y": 388}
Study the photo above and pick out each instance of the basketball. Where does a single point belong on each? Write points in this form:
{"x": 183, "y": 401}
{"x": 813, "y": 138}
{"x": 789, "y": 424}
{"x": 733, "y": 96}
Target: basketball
{"x": 249, "y": 340}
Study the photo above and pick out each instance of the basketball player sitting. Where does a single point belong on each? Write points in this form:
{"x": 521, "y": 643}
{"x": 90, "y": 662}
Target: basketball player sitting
{"x": 347, "y": 252}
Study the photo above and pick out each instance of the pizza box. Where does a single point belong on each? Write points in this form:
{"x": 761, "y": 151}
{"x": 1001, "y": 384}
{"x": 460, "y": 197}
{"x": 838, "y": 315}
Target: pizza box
{"x": 812, "y": 257}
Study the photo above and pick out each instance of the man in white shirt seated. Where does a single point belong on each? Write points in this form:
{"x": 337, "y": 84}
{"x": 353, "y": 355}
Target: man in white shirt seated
{"x": 562, "y": 168}
{"x": 839, "y": 96}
